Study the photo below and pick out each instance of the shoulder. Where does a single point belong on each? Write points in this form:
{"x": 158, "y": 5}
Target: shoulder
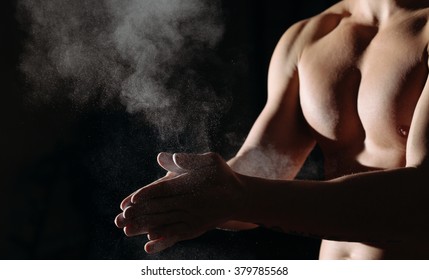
{"x": 420, "y": 21}
{"x": 307, "y": 31}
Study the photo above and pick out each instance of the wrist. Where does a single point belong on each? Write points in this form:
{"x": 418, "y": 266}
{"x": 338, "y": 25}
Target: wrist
{"x": 263, "y": 200}
{"x": 245, "y": 203}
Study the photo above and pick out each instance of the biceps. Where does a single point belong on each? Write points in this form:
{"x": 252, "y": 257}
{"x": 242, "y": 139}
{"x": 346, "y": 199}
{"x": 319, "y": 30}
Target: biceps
{"x": 281, "y": 127}
{"x": 418, "y": 141}
{"x": 276, "y": 147}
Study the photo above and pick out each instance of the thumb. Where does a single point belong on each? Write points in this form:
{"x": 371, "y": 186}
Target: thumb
{"x": 195, "y": 161}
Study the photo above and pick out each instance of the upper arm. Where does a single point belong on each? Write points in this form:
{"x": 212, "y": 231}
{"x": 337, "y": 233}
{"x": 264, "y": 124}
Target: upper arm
{"x": 417, "y": 152}
{"x": 280, "y": 129}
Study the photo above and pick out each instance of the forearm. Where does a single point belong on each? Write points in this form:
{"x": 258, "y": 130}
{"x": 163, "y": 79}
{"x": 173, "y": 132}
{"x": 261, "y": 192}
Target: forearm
{"x": 376, "y": 206}
{"x": 238, "y": 164}
{"x": 262, "y": 163}
{"x": 266, "y": 162}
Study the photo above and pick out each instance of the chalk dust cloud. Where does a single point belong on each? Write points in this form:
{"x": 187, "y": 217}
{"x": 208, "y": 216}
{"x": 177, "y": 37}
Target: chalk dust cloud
{"x": 151, "y": 56}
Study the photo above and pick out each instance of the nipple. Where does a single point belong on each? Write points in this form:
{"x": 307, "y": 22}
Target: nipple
{"x": 403, "y": 130}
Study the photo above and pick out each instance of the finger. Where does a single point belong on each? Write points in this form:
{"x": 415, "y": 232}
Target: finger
{"x": 147, "y": 223}
{"x": 175, "y": 230}
{"x": 127, "y": 201}
{"x": 171, "y": 187}
{"x": 157, "y": 206}
{"x": 195, "y": 161}
{"x": 150, "y": 237}
{"x": 131, "y": 230}
{"x": 158, "y": 245}
{"x": 165, "y": 160}
{"x": 120, "y": 221}
{"x": 165, "y": 237}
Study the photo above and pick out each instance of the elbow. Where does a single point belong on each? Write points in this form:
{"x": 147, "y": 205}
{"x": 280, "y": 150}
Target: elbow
{"x": 417, "y": 159}
{"x": 418, "y": 165}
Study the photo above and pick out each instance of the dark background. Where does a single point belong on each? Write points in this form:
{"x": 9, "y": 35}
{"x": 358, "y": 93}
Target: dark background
{"x": 65, "y": 168}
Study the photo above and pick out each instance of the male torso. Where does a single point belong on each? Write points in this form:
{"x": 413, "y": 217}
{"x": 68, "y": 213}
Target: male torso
{"x": 360, "y": 81}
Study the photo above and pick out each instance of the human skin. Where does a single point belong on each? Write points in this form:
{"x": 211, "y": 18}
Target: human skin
{"x": 353, "y": 80}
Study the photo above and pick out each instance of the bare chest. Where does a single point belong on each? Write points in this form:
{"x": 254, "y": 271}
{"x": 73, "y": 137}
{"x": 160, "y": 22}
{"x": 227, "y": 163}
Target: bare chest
{"x": 359, "y": 85}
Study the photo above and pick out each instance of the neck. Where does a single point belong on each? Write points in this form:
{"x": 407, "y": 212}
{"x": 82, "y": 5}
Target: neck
{"x": 377, "y": 11}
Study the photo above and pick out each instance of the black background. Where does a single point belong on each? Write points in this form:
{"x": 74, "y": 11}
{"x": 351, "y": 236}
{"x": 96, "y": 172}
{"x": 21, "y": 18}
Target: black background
{"x": 65, "y": 169}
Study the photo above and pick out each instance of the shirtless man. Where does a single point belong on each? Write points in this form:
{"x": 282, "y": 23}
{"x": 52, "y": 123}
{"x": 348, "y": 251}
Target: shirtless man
{"x": 352, "y": 79}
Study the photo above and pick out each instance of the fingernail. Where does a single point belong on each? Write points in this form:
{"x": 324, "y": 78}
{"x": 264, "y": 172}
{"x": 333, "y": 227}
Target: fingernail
{"x": 149, "y": 248}
{"x": 164, "y": 155}
{"x": 126, "y": 212}
{"x": 133, "y": 199}
{"x": 175, "y": 155}
{"x": 153, "y": 236}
